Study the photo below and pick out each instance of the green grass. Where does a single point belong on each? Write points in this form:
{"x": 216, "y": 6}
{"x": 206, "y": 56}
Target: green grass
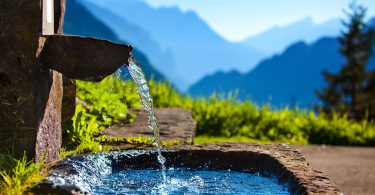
{"x": 219, "y": 119}
{"x": 109, "y": 100}
{"x": 225, "y": 117}
{"x": 17, "y": 176}
{"x": 208, "y": 139}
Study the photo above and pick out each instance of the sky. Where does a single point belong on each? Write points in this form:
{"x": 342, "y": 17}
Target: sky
{"x": 237, "y": 20}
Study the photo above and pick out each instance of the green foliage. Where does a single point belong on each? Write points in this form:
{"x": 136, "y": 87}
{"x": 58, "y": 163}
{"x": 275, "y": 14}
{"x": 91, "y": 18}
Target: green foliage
{"x": 164, "y": 95}
{"x": 66, "y": 153}
{"x": 141, "y": 141}
{"x": 222, "y": 118}
{"x": 213, "y": 139}
{"x": 16, "y": 176}
{"x": 82, "y": 132}
{"x": 84, "y": 126}
{"x": 108, "y": 103}
{"x": 352, "y": 90}
{"x": 109, "y": 100}
{"x": 225, "y": 117}
{"x": 340, "y": 131}
{"x": 91, "y": 146}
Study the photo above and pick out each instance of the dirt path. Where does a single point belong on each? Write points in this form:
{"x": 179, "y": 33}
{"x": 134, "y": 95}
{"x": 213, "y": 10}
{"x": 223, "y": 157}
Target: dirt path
{"x": 352, "y": 169}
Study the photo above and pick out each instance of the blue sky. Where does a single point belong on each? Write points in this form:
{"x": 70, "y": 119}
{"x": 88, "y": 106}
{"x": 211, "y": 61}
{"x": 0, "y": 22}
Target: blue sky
{"x": 238, "y": 19}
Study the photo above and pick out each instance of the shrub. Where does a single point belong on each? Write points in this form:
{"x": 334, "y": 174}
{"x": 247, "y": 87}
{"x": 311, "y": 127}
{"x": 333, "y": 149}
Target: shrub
{"x": 225, "y": 116}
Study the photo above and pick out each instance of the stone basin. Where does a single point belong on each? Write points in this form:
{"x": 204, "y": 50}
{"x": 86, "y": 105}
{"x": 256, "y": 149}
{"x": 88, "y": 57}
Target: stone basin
{"x": 80, "y": 173}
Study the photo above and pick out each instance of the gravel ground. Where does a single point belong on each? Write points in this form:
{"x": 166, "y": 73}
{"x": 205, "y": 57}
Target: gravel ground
{"x": 352, "y": 169}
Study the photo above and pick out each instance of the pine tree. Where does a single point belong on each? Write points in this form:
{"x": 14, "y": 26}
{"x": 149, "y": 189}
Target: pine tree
{"x": 351, "y": 90}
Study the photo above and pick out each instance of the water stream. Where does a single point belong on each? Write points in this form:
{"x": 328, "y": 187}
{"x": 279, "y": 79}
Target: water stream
{"x": 146, "y": 100}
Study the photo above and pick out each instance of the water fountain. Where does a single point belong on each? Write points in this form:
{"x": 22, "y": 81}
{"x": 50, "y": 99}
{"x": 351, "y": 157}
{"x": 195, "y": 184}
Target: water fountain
{"x": 30, "y": 119}
{"x": 216, "y": 168}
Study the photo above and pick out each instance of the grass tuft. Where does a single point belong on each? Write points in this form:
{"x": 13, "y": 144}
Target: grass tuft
{"x": 17, "y": 176}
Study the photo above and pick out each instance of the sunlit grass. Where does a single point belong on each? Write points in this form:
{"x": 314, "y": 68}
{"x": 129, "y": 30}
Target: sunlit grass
{"x": 17, "y": 176}
{"x": 223, "y": 116}
{"x": 207, "y": 139}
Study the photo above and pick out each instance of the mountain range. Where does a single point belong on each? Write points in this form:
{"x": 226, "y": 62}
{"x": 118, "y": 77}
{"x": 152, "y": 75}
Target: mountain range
{"x": 282, "y": 79}
{"x": 196, "y": 49}
{"x": 184, "y": 48}
{"x": 288, "y": 79}
{"x": 79, "y": 21}
{"x": 276, "y": 39}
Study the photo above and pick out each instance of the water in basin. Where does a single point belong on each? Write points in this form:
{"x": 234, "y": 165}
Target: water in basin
{"x": 172, "y": 180}
{"x": 187, "y": 181}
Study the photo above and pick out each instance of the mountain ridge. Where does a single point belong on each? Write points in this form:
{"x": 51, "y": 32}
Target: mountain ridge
{"x": 277, "y": 39}
{"x": 139, "y": 38}
{"x": 196, "y": 48}
{"x": 288, "y": 85}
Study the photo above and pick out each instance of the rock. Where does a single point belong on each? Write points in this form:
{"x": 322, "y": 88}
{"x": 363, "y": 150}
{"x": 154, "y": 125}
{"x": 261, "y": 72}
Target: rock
{"x": 30, "y": 82}
{"x": 83, "y": 58}
{"x": 279, "y": 160}
{"x": 69, "y": 100}
{"x": 49, "y": 138}
{"x": 26, "y": 108}
{"x": 175, "y": 124}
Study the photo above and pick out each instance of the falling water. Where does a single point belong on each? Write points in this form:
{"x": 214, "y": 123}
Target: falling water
{"x": 146, "y": 100}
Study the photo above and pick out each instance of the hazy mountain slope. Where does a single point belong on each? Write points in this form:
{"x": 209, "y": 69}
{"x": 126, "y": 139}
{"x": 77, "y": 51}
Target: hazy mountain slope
{"x": 139, "y": 38}
{"x": 79, "y": 21}
{"x": 196, "y": 48}
{"x": 277, "y": 39}
{"x": 285, "y": 79}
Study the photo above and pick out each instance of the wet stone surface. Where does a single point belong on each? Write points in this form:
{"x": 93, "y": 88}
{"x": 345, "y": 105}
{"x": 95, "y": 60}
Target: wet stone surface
{"x": 281, "y": 161}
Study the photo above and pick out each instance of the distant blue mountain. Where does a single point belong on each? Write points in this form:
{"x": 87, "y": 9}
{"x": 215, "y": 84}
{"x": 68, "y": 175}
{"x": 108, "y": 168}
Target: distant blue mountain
{"x": 277, "y": 39}
{"x": 291, "y": 78}
{"x": 197, "y": 50}
{"x": 79, "y": 21}
{"x": 282, "y": 79}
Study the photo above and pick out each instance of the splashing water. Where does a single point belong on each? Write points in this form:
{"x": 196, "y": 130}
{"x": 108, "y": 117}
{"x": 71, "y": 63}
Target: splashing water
{"x": 104, "y": 173}
{"x": 146, "y": 100}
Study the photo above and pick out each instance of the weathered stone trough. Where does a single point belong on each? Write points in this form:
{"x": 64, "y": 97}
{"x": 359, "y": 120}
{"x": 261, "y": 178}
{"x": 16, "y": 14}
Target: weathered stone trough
{"x": 79, "y": 174}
